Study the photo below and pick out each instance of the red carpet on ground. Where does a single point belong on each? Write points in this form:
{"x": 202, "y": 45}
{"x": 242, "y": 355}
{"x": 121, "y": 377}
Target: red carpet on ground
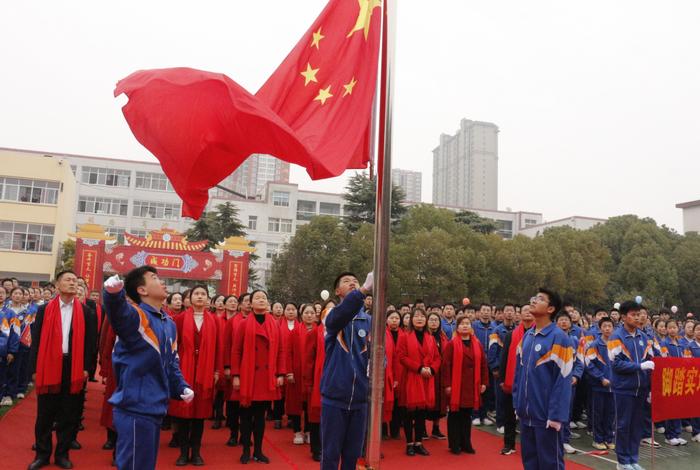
{"x": 17, "y": 436}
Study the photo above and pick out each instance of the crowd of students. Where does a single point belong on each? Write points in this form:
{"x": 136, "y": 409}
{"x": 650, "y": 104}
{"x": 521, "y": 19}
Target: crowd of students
{"x": 449, "y": 367}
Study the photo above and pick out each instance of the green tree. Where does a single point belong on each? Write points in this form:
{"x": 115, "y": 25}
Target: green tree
{"x": 66, "y": 259}
{"x": 686, "y": 259}
{"x": 360, "y": 197}
{"x": 476, "y": 222}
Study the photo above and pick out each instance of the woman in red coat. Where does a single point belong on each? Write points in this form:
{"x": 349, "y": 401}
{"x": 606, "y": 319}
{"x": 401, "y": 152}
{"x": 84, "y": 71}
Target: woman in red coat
{"x": 392, "y": 416}
{"x": 464, "y": 378}
{"x": 288, "y": 322}
{"x": 440, "y": 409}
{"x": 224, "y": 312}
{"x": 107, "y": 340}
{"x": 235, "y": 318}
{"x": 419, "y": 358}
{"x": 258, "y": 369}
{"x": 295, "y": 401}
{"x": 200, "y": 352}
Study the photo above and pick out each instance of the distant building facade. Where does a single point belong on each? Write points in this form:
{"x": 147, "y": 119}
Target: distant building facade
{"x": 250, "y": 178}
{"x": 409, "y": 181}
{"x": 509, "y": 223}
{"x": 691, "y": 216}
{"x": 465, "y": 167}
{"x": 576, "y": 222}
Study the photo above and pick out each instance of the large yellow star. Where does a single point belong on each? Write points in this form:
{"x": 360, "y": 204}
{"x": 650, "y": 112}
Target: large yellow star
{"x": 349, "y": 86}
{"x": 365, "y": 16}
{"x": 309, "y": 74}
{"x": 323, "y": 95}
{"x": 317, "y": 38}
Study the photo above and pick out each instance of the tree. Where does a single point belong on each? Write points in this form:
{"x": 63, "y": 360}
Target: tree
{"x": 66, "y": 259}
{"x": 476, "y": 222}
{"x": 360, "y": 197}
{"x": 686, "y": 259}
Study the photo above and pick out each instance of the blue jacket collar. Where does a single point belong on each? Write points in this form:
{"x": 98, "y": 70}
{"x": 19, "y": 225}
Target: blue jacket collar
{"x": 147, "y": 308}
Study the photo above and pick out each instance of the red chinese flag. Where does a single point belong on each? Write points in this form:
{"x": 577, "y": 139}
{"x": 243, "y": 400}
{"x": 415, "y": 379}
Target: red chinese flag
{"x": 315, "y": 110}
{"x": 675, "y": 388}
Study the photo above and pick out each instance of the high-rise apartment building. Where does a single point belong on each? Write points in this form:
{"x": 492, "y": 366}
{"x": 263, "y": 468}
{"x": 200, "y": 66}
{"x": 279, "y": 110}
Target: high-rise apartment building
{"x": 409, "y": 181}
{"x": 250, "y": 178}
{"x": 465, "y": 167}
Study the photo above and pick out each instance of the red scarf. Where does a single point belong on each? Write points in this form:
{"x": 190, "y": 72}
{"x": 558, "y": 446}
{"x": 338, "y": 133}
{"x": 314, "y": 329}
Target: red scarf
{"x": 50, "y": 358}
{"x": 457, "y": 358}
{"x": 515, "y": 339}
{"x": 315, "y": 400}
{"x": 389, "y": 395}
{"x": 205, "y": 364}
{"x": 98, "y": 311}
{"x": 423, "y": 390}
{"x": 247, "y": 371}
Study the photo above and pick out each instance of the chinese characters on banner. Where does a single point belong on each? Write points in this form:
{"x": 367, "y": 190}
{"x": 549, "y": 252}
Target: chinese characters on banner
{"x": 88, "y": 262}
{"x": 675, "y": 388}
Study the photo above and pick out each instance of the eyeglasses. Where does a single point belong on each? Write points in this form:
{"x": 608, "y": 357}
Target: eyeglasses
{"x": 538, "y": 298}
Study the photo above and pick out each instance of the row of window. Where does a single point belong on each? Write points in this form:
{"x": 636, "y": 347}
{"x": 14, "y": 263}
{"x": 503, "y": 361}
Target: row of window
{"x": 274, "y": 224}
{"x": 148, "y": 209}
{"x": 122, "y": 178}
{"x": 29, "y": 191}
{"x": 26, "y": 237}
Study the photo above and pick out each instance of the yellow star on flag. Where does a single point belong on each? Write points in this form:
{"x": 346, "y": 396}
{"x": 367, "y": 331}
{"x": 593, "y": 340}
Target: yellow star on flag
{"x": 309, "y": 74}
{"x": 323, "y": 95}
{"x": 365, "y": 16}
{"x": 317, "y": 38}
{"x": 349, "y": 86}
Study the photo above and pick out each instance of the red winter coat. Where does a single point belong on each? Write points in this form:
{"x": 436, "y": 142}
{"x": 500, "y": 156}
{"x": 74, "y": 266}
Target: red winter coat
{"x": 230, "y": 330}
{"x": 313, "y": 370}
{"x": 467, "y": 388}
{"x": 417, "y": 392}
{"x": 107, "y": 340}
{"x": 392, "y": 373}
{"x": 296, "y": 350}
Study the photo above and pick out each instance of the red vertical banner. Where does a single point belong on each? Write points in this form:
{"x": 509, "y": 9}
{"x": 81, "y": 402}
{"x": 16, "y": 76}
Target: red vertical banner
{"x": 234, "y": 279}
{"x": 89, "y": 256}
{"x": 675, "y": 388}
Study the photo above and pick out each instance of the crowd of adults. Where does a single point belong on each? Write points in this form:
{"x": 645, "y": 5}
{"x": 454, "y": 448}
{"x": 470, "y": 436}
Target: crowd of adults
{"x": 539, "y": 368}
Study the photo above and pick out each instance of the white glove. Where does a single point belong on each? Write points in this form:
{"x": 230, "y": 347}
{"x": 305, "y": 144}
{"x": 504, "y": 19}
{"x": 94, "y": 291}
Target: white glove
{"x": 647, "y": 365}
{"x": 556, "y": 425}
{"x": 369, "y": 282}
{"x": 114, "y": 284}
{"x": 649, "y": 398}
{"x": 187, "y": 395}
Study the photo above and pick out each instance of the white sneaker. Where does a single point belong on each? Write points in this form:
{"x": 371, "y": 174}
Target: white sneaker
{"x": 307, "y": 438}
{"x": 6, "y": 401}
{"x": 20, "y": 395}
{"x": 575, "y": 435}
{"x": 568, "y": 449}
{"x": 573, "y": 425}
{"x": 673, "y": 442}
{"x": 624, "y": 467}
{"x": 580, "y": 425}
{"x": 636, "y": 466}
{"x": 696, "y": 438}
{"x": 682, "y": 441}
{"x": 688, "y": 429}
{"x": 661, "y": 430}
{"x": 647, "y": 441}
{"x": 298, "y": 438}
{"x": 501, "y": 430}
{"x": 488, "y": 422}
{"x": 476, "y": 422}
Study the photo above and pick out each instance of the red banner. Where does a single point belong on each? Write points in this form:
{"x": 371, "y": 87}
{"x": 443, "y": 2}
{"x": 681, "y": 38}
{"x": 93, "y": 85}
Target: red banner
{"x": 88, "y": 262}
{"x": 675, "y": 388}
{"x": 169, "y": 263}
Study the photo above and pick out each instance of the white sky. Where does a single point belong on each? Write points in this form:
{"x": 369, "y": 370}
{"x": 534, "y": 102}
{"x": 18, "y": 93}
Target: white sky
{"x": 597, "y": 101}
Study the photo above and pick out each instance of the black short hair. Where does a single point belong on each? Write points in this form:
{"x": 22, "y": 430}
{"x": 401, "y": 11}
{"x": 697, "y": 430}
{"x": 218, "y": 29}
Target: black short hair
{"x": 664, "y": 311}
{"x": 242, "y": 296}
{"x": 484, "y": 305}
{"x": 509, "y": 305}
{"x": 342, "y": 275}
{"x": 554, "y": 300}
{"x": 8, "y": 279}
{"x": 369, "y": 295}
{"x": 449, "y": 303}
{"x": 600, "y": 309}
{"x": 605, "y": 320}
{"x": 135, "y": 279}
{"x": 58, "y": 276}
{"x": 200, "y": 286}
{"x": 629, "y": 306}
{"x": 169, "y": 300}
{"x": 418, "y": 301}
{"x": 562, "y": 314}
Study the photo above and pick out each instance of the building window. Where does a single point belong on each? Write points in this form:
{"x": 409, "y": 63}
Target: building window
{"x": 306, "y": 210}
{"x": 102, "y": 205}
{"x": 252, "y": 222}
{"x": 275, "y": 224}
{"x": 272, "y": 249}
{"x": 329, "y": 208}
{"x": 105, "y": 176}
{"x": 29, "y": 191}
{"x": 505, "y": 228}
{"x": 138, "y": 233}
{"x": 26, "y": 237}
{"x": 153, "y": 181}
{"x": 156, "y": 210}
{"x": 117, "y": 232}
{"x": 530, "y": 222}
{"x": 280, "y": 198}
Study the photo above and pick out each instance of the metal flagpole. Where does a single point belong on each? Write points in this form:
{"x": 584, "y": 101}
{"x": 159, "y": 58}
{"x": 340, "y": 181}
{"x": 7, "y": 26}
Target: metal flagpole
{"x": 381, "y": 235}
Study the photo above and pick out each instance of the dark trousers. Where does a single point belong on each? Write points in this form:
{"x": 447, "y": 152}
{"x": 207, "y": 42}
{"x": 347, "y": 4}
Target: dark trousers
{"x": 500, "y": 402}
{"x": 580, "y": 399}
{"x": 541, "y": 448}
{"x": 672, "y": 428}
{"x": 509, "y": 421}
{"x": 19, "y": 373}
{"x": 233, "y": 416}
{"x": 189, "y": 432}
{"x": 137, "y": 440}
{"x": 629, "y": 412}
{"x": 296, "y": 421}
{"x": 565, "y": 426}
{"x": 396, "y": 420}
{"x": 603, "y": 417}
{"x": 4, "y": 377}
{"x": 278, "y": 409}
{"x": 343, "y": 438}
{"x": 219, "y": 405}
{"x": 315, "y": 434}
{"x": 414, "y": 426}
{"x": 62, "y": 409}
{"x": 253, "y": 422}
{"x": 459, "y": 429}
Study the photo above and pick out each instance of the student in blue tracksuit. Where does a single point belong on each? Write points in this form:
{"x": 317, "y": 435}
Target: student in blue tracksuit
{"x": 9, "y": 345}
{"x": 694, "y": 348}
{"x": 630, "y": 356}
{"x": 599, "y": 370}
{"x": 495, "y": 346}
{"x": 483, "y": 329}
{"x": 344, "y": 381}
{"x": 564, "y": 323}
{"x": 673, "y": 347}
{"x": 542, "y": 388}
{"x": 648, "y": 330}
{"x": 145, "y": 365}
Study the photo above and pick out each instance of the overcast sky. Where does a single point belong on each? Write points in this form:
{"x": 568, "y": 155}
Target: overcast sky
{"x": 597, "y": 102}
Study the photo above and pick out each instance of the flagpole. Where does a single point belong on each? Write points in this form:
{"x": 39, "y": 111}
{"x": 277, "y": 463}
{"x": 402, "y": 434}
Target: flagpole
{"x": 381, "y": 235}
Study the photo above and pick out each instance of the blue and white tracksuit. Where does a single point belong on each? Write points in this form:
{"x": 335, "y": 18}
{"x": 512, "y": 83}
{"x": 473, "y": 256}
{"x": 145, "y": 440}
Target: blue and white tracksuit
{"x": 694, "y": 348}
{"x": 603, "y": 405}
{"x": 147, "y": 372}
{"x": 541, "y": 393}
{"x": 495, "y": 347}
{"x": 671, "y": 348}
{"x": 578, "y": 373}
{"x": 9, "y": 344}
{"x": 631, "y": 384}
{"x": 483, "y": 332}
{"x": 19, "y": 370}
{"x": 345, "y": 383}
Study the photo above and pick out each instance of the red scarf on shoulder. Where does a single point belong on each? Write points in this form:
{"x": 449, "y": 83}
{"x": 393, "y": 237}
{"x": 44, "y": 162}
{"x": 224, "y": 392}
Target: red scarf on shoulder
{"x": 49, "y": 365}
{"x": 422, "y": 390}
{"x": 205, "y": 363}
{"x": 315, "y": 399}
{"x": 457, "y": 360}
{"x": 247, "y": 374}
{"x": 515, "y": 339}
